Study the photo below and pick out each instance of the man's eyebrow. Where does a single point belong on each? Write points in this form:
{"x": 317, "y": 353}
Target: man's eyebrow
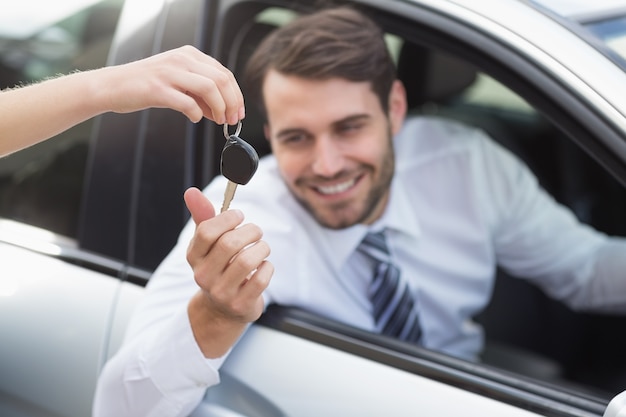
{"x": 352, "y": 118}
{"x": 290, "y": 131}
{"x": 349, "y": 119}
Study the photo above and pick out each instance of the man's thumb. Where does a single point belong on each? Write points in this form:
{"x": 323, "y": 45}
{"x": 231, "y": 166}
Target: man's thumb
{"x": 199, "y": 206}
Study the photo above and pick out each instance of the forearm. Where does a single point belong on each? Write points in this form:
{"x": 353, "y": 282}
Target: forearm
{"x": 37, "y": 112}
{"x": 183, "y": 79}
{"x": 215, "y": 336}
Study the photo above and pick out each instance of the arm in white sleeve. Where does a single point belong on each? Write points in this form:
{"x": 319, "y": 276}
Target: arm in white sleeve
{"x": 541, "y": 240}
{"x": 195, "y": 306}
{"x": 159, "y": 370}
{"x": 162, "y": 374}
{"x": 606, "y": 291}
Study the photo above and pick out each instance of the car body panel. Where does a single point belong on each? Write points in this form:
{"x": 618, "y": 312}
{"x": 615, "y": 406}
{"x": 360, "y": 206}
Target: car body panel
{"x": 367, "y": 390}
{"x": 50, "y": 368}
{"x": 54, "y": 362}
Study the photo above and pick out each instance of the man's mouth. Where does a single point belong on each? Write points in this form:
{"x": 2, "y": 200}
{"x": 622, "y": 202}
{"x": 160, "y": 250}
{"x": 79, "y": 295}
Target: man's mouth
{"x": 336, "y": 188}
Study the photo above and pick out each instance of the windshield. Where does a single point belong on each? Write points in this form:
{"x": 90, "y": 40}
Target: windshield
{"x": 605, "y": 20}
{"x": 612, "y": 32}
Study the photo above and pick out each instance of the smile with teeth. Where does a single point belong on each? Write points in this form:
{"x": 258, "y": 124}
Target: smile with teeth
{"x": 336, "y": 188}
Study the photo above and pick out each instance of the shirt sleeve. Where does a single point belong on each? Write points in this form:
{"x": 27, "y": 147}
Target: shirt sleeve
{"x": 163, "y": 374}
{"x": 538, "y": 239}
{"x": 607, "y": 290}
{"x": 159, "y": 369}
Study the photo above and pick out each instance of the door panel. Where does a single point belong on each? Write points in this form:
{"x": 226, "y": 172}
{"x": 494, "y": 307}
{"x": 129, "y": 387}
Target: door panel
{"x": 54, "y": 320}
{"x": 332, "y": 382}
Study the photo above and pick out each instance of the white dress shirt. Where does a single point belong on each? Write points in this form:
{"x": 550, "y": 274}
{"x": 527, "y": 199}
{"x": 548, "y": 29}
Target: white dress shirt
{"x": 460, "y": 204}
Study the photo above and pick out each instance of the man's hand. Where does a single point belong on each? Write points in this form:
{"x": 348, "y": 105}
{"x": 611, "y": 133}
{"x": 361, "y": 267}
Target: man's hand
{"x": 230, "y": 267}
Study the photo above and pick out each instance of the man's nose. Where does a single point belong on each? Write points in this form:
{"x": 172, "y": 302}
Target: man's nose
{"x": 327, "y": 157}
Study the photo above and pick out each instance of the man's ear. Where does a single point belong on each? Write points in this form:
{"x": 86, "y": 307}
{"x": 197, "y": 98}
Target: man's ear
{"x": 397, "y": 106}
{"x": 266, "y": 132}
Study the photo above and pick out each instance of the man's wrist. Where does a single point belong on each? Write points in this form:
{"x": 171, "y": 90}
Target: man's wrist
{"x": 214, "y": 334}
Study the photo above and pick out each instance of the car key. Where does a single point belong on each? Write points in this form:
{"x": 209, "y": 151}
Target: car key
{"x": 238, "y": 163}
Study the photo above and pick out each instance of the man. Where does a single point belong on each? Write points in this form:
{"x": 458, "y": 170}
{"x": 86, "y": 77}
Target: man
{"x": 349, "y": 182}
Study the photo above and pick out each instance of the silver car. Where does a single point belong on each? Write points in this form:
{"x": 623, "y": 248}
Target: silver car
{"x": 85, "y": 217}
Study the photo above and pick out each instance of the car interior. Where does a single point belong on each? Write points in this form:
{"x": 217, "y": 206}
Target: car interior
{"x": 527, "y": 332}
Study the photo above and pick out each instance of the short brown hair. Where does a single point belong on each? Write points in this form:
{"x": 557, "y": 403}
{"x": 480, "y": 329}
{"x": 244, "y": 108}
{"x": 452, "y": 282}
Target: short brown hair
{"x": 339, "y": 42}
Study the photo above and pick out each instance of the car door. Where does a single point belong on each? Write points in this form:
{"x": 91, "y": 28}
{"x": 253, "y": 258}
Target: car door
{"x": 483, "y": 74}
{"x": 63, "y": 308}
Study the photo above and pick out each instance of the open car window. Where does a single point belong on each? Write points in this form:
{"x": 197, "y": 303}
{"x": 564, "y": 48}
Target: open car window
{"x": 528, "y": 333}
{"x": 42, "y": 185}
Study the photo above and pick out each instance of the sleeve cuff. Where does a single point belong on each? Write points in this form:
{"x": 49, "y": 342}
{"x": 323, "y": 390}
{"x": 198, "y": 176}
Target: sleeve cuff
{"x": 176, "y": 362}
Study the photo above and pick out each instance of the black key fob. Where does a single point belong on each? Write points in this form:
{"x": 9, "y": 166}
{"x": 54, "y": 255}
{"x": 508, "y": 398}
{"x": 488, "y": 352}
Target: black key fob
{"x": 239, "y": 160}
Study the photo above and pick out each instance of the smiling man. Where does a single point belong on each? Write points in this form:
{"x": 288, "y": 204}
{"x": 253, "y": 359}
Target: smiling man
{"x": 391, "y": 225}
{"x": 333, "y": 161}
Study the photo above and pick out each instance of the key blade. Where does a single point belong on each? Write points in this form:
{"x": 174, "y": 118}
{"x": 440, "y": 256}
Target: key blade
{"x": 229, "y": 194}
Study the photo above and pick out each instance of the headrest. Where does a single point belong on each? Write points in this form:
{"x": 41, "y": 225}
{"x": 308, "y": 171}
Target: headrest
{"x": 431, "y": 76}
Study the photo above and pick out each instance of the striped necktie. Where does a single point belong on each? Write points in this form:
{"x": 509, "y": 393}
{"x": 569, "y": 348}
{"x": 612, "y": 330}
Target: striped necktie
{"x": 393, "y": 305}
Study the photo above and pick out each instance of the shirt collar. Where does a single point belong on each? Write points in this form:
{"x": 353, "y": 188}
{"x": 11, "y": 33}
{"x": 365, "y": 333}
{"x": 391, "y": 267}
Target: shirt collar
{"x": 398, "y": 217}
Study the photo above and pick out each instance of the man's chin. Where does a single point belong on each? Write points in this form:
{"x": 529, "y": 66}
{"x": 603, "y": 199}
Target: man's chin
{"x": 333, "y": 216}
{"x": 335, "y": 219}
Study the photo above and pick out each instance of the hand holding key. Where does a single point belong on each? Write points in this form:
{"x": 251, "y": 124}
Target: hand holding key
{"x": 238, "y": 163}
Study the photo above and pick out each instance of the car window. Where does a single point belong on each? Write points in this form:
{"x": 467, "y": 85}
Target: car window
{"x": 527, "y": 332}
{"x": 42, "y": 185}
{"x": 612, "y": 32}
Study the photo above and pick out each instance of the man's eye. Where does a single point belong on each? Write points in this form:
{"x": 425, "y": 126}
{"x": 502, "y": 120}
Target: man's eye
{"x": 293, "y": 139}
{"x": 350, "y": 127}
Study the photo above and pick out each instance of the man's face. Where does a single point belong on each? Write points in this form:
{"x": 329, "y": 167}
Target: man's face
{"x": 332, "y": 142}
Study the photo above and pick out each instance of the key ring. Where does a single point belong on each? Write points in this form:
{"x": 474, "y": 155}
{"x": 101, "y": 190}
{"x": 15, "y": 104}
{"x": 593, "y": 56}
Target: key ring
{"x": 237, "y": 130}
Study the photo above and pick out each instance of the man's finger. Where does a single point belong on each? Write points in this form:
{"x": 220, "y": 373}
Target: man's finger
{"x": 198, "y": 205}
